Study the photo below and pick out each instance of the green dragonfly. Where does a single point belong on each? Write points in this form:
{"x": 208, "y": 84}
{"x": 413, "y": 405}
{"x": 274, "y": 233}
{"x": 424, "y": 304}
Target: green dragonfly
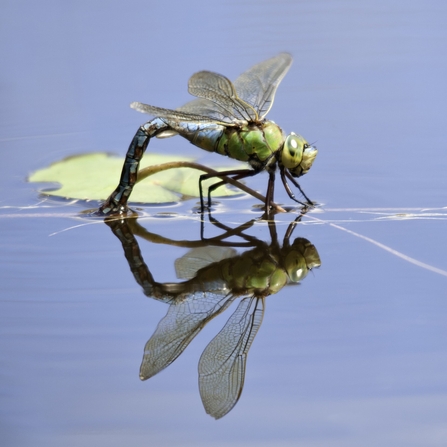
{"x": 215, "y": 275}
{"x": 227, "y": 118}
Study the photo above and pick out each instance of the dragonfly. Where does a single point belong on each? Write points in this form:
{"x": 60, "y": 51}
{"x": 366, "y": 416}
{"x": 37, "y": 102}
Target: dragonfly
{"x": 215, "y": 275}
{"x": 228, "y": 118}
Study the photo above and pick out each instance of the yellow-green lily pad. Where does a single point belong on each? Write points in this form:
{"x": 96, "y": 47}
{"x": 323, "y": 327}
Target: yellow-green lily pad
{"x": 94, "y": 176}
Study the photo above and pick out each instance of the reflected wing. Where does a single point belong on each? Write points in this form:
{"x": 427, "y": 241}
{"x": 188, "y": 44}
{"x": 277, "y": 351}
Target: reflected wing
{"x": 221, "y": 92}
{"x": 190, "y": 263}
{"x": 258, "y": 85}
{"x": 184, "y": 320}
{"x": 222, "y": 364}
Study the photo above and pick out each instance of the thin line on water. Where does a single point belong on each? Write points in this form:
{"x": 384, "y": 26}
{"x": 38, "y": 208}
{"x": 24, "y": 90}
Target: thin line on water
{"x": 76, "y": 226}
{"x": 386, "y": 248}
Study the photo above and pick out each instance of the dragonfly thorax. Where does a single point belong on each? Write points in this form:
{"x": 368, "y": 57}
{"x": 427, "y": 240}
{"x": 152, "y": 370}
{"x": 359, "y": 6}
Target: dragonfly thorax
{"x": 255, "y": 143}
{"x": 255, "y": 272}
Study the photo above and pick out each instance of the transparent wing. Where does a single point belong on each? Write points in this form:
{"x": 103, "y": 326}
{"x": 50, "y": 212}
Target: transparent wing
{"x": 249, "y": 98}
{"x": 220, "y": 91}
{"x": 222, "y": 364}
{"x": 174, "y": 115}
{"x": 257, "y": 86}
{"x": 210, "y": 109}
{"x": 184, "y": 320}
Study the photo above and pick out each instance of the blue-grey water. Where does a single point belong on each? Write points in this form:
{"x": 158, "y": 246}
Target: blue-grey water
{"x": 356, "y": 354}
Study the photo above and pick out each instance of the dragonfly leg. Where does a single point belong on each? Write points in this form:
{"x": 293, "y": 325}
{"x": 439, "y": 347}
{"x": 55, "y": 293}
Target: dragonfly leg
{"x": 238, "y": 174}
{"x": 214, "y": 187}
{"x": 270, "y": 192}
{"x": 117, "y": 201}
{"x": 288, "y": 190}
{"x": 289, "y": 176}
{"x": 245, "y": 174}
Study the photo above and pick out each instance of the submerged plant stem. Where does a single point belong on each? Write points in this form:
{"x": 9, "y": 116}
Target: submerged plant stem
{"x": 151, "y": 170}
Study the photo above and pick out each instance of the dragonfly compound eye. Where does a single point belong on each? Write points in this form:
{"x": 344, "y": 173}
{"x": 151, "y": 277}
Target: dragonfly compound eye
{"x": 308, "y": 154}
{"x": 295, "y": 265}
{"x": 292, "y": 152}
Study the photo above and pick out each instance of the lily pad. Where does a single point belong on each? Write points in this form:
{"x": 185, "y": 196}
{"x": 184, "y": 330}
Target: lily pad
{"x": 94, "y": 176}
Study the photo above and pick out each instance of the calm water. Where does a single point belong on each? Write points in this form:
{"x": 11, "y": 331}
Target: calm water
{"x": 354, "y": 355}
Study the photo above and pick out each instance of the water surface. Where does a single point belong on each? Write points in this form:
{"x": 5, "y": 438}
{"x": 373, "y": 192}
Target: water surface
{"x": 356, "y": 354}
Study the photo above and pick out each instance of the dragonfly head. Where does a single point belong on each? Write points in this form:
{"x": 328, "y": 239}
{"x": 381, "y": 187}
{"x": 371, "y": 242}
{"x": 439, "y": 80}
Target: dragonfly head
{"x": 300, "y": 258}
{"x": 297, "y": 155}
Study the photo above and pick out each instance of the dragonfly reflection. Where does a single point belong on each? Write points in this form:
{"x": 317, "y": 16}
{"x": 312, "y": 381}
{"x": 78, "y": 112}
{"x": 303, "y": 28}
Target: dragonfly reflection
{"x": 215, "y": 276}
